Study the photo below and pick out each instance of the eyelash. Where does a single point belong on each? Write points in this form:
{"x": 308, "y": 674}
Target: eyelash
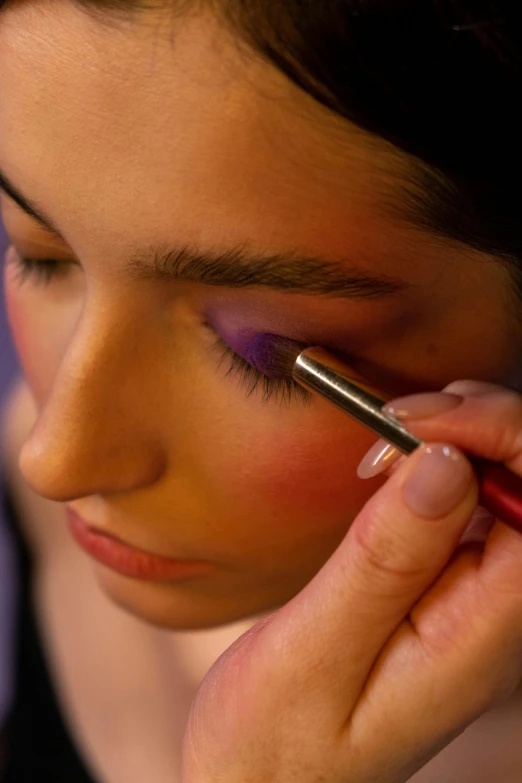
{"x": 41, "y": 270}
{"x": 285, "y": 391}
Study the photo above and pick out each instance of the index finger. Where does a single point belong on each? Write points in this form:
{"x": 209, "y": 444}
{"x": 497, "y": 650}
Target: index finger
{"x": 486, "y": 423}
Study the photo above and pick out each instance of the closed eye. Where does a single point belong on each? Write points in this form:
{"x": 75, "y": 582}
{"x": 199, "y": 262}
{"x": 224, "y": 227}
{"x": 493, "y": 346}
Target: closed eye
{"x": 282, "y": 390}
{"x": 40, "y": 270}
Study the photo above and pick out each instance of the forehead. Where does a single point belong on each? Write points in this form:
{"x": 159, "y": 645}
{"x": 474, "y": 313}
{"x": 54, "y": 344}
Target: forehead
{"x": 171, "y": 123}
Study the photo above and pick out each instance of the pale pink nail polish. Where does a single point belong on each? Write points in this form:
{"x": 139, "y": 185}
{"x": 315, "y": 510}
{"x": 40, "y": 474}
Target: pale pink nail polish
{"x": 440, "y": 480}
{"x": 379, "y": 458}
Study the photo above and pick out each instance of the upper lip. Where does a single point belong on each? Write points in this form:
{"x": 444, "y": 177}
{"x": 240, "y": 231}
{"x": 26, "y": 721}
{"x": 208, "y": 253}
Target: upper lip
{"x": 101, "y": 531}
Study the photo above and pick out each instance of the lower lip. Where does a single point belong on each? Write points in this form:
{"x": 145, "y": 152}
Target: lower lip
{"x": 129, "y": 561}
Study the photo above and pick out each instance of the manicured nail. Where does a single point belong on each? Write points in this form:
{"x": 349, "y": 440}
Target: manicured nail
{"x": 439, "y": 481}
{"x": 380, "y": 457}
{"x": 422, "y": 406}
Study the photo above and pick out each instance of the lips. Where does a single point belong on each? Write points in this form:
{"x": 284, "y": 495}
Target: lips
{"x": 128, "y": 560}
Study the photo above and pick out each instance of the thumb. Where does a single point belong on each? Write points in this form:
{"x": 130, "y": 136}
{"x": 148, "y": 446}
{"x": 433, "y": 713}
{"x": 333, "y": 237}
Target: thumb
{"x": 396, "y": 547}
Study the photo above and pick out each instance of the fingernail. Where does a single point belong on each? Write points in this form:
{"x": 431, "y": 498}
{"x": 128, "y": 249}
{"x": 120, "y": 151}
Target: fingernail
{"x": 380, "y": 457}
{"x": 422, "y": 406}
{"x": 439, "y": 481}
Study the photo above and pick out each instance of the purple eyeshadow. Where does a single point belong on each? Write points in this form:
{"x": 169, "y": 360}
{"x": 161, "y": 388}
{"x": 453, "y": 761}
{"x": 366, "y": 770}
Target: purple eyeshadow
{"x": 272, "y": 355}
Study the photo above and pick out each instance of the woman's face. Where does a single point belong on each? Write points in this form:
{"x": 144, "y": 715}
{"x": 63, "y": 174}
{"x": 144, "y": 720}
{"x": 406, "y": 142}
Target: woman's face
{"x": 159, "y": 135}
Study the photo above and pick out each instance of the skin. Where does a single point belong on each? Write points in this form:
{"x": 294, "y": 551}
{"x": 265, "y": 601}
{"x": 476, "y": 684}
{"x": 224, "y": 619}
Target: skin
{"x": 160, "y": 131}
{"x": 413, "y": 636}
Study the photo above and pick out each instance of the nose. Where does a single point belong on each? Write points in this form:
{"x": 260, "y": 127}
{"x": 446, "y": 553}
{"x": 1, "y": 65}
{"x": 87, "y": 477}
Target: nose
{"x": 98, "y": 431}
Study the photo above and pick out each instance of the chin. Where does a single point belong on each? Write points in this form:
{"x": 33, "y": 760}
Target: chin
{"x": 182, "y": 606}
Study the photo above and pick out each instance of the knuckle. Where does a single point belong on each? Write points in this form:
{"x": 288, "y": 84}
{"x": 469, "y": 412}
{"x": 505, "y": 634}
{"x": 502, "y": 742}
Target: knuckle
{"x": 508, "y": 426}
{"x": 384, "y": 551}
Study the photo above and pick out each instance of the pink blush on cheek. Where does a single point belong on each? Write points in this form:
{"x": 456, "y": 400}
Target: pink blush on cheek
{"x": 309, "y": 478}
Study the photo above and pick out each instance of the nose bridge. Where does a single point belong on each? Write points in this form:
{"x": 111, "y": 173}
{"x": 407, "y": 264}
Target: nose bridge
{"x": 95, "y": 432}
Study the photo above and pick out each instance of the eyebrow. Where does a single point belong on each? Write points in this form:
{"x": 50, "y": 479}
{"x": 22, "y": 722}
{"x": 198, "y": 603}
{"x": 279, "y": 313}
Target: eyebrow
{"x": 24, "y": 203}
{"x": 290, "y": 272}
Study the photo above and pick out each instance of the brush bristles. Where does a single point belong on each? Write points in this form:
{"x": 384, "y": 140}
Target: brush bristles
{"x": 274, "y": 356}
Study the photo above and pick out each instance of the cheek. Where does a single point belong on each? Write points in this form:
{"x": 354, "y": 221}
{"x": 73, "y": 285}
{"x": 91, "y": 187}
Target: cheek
{"x": 19, "y": 319}
{"x": 311, "y": 477}
{"x": 298, "y": 478}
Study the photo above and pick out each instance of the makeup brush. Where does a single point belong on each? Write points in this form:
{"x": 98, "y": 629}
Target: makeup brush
{"x": 320, "y": 372}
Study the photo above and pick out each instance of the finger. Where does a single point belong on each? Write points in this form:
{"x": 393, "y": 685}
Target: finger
{"x": 487, "y": 423}
{"x": 329, "y": 636}
{"x": 472, "y": 388}
{"x": 478, "y": 526}
{"x": 459, "y": 654}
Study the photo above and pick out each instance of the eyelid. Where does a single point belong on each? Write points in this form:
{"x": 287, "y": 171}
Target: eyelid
{"x": 284, "y": 391}
{"x": 41, "y": 270}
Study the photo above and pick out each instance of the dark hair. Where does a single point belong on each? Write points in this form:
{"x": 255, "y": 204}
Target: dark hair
{"x": 440, "y": 79}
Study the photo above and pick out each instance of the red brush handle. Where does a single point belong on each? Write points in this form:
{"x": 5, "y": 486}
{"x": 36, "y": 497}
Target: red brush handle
{"x": 500, "y": 492}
